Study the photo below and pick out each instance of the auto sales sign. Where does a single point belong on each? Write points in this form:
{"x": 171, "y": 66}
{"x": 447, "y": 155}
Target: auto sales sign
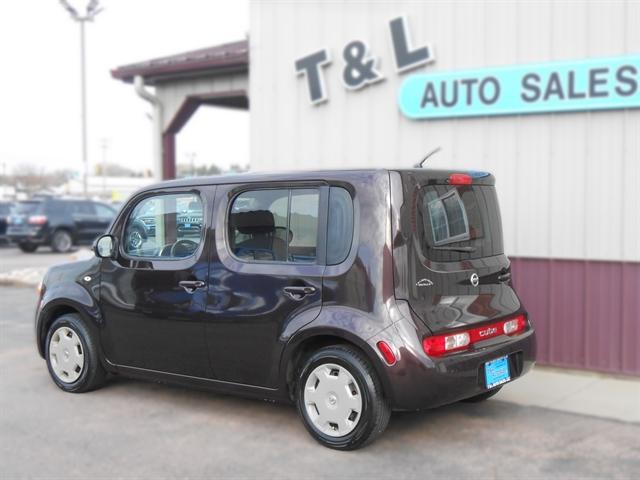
{"x": 594, "y": 84}
{"x": 598, "y": 84}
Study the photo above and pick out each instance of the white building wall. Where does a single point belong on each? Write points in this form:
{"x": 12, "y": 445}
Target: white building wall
{"x": 569, "y": 183}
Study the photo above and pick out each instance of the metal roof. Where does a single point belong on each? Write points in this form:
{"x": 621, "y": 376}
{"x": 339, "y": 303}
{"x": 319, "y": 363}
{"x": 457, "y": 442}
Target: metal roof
{"x": 220, "y": 59}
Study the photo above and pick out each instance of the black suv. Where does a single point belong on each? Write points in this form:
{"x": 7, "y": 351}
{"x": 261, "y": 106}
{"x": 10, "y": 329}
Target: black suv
{"x": 5, "y": 211}
{"x": 348, "y": 293}
{"x": 60, "y": 223}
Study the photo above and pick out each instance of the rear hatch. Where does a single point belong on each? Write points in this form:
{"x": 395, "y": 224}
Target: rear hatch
{"x": 19, "y": 219}
{"x": 448, "y": 253}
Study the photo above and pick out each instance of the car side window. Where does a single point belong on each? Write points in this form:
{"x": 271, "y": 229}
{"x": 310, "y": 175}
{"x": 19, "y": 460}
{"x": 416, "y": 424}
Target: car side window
{"x": 164, "y": 226}
{"x": 104, "y": 211}
{"x": 275, "y": 225}
{"x": 85, "y": 208}
{"x": 339, "y": 225}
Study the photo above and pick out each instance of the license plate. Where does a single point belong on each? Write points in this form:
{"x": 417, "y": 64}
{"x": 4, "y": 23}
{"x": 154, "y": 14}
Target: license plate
{"x": 496, "y": 372}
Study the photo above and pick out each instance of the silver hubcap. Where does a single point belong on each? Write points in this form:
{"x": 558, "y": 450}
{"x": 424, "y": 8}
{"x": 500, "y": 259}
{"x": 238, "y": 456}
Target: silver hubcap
{"x": 63, "y": 242}
{"x": 66, "y": 354}
{"x": 333, "y": 400}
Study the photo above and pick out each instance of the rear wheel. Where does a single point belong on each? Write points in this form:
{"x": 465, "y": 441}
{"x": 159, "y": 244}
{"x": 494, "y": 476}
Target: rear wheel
{"x": 72, "y": 356}
{"x": 28, "y": 247}
{"x": 340, "y": 400}
{"x": 483, "y": 396}
{"x": 61, "y": 241}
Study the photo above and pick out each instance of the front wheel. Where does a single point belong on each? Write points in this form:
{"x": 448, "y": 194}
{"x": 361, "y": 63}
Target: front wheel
{"x": 72, "y": 355}
{"x": 340, "y": 398}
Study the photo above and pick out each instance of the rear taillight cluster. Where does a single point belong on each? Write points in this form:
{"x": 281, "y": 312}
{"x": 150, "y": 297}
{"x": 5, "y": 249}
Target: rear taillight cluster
{"x": 37, "y": 220}
{"x": 438, "y": 345}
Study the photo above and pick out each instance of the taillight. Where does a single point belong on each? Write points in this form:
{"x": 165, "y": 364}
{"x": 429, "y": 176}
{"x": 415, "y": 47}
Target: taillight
{"x": 516, "y": 325}
{"x": 460, "y": 179}
{"x": 441, "y": 344}
{"x": 386, "y": 352}
{"x": 37, "y": 220}
{"x": 438, "y": 345}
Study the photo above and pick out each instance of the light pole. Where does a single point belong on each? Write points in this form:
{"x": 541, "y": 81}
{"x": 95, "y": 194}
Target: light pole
{"x": 91, "y": 10}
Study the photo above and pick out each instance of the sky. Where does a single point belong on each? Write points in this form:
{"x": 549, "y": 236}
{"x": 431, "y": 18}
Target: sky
{"x": 40, "y": 82}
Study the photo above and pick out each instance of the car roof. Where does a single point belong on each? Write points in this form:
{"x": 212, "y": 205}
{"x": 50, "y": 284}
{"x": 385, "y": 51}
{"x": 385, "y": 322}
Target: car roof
{"x": 285, "y": 176}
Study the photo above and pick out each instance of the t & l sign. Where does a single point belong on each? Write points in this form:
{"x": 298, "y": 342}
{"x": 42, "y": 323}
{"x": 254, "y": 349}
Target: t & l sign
{"x": 360, "y": 66}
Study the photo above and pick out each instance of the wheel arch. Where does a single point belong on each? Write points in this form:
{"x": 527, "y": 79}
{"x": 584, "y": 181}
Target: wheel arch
{"x": 307, "y": 342}
{"x": 54, "y": 310}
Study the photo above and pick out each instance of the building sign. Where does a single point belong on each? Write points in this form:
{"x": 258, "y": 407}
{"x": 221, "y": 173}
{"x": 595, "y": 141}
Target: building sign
{"x": 599, "y": 84}
{"x": 359, "y": 65}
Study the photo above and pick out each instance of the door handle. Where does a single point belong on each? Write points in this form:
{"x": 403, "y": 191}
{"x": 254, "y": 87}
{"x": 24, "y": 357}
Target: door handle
{"x": 298, "y": 293}
{"x": 191, "y": 286}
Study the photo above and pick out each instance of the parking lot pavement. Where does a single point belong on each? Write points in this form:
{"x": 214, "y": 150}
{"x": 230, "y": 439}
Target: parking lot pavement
{"x": 137, "y": 429}
{"x": 19, "y": 268}
{"x": 12, "y": 258}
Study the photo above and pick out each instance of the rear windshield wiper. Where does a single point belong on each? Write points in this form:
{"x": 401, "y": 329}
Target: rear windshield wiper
{"x": 456, "y": 249}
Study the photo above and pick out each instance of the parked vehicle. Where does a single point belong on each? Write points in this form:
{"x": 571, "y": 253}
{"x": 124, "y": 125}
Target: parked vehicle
{"x": 59, "y": 223}
{"x": 348, "y": 293}
{"x": 5, "y": 211}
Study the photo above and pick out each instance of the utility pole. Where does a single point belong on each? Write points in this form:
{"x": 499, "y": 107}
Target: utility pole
{"x": 89, "y": 14}
{"x": 104, "y": 144}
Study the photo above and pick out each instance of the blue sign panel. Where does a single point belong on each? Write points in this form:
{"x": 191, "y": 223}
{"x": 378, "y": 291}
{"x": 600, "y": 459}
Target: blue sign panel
{"x": 597, "y": 84}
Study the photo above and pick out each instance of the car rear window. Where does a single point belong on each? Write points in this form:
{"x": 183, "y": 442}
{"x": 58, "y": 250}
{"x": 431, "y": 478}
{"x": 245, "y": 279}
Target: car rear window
{"x": 458, "y": 222}
{"x": 26, "y": 208}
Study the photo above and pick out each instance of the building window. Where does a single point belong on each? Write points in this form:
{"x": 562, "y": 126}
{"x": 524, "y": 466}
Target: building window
{"x": 164, "y": 226}
{"x": 275, "y": 225}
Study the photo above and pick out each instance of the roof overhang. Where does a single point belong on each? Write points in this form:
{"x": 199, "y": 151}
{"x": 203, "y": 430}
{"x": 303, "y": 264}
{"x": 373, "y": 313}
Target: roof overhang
{"x": 218, "y": 60}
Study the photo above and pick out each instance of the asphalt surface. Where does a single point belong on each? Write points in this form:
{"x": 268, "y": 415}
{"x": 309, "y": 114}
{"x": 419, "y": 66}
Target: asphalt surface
{"x": 133, "y": 429}
{"x": 12, "y": 258}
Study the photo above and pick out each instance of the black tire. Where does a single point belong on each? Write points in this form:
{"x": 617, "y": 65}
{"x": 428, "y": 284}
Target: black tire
{"x": 93, "y": 374}
{"x": 483, "y": 396}
{"x": 375, "y": 413}
{"x": 28, "y": 247}
{"x": 61, "y": 242}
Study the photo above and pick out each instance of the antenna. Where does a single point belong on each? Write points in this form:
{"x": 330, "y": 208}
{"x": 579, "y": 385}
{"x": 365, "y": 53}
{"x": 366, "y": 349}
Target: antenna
{"x": 432, "y": 152}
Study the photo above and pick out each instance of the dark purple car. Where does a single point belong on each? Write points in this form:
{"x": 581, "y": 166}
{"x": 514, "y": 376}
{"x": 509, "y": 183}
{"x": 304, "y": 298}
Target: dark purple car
{"x": 349, "y": 293}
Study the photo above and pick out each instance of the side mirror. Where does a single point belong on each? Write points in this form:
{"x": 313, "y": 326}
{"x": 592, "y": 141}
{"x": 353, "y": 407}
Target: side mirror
{"x": 105, "y": 247}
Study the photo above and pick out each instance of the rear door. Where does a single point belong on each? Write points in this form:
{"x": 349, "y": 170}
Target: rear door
{"x": 84, "y": 218}
{"x": 453, "y": 270}
{"x": 266, "y": 274}
{"x": 104, "y": 217}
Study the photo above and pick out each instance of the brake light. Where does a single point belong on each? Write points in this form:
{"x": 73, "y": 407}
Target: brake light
{"x": 438, "y": 345}
{"x": 37, "y": 220}
{"x": 516, "y": 325}
{"x": 386, "y": 352}
{"x": 441, "y": 344}
{"x": 460, "y": 179}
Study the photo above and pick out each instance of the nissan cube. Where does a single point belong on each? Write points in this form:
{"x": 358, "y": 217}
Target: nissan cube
{"x": 347, "y": 293}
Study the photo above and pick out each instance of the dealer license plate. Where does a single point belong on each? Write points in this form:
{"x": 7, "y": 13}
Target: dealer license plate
{"x": 496, "y": 372}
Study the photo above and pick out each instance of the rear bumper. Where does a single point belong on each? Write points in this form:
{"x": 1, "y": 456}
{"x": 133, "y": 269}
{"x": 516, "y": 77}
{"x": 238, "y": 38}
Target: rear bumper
{"x": 35, "y": 236}
{"x": 417, "y": 381}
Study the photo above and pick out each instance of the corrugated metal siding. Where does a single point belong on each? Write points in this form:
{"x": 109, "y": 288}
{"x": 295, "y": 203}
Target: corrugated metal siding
{"x": 585, "y": 313}
{"x": 567, "y": 182}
